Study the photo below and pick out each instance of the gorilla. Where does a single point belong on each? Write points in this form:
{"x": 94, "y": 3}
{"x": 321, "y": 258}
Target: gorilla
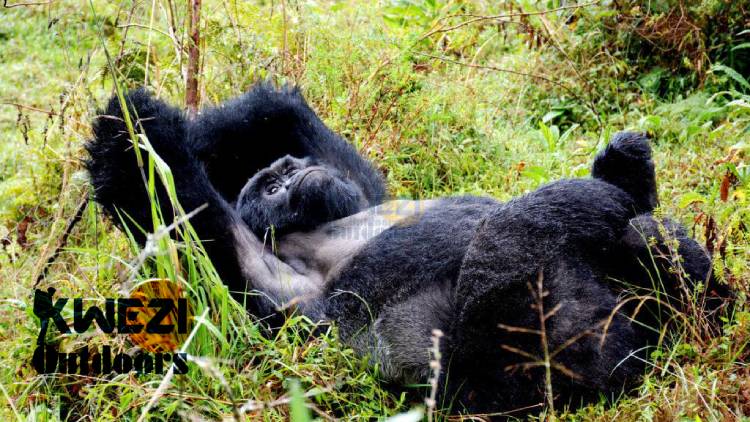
{"x": 567, "y": 272}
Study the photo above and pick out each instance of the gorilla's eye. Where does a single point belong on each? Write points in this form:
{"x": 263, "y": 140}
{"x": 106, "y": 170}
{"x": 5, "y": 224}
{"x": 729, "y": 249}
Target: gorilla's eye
{"x": 290, "y": 171}
{"x": 271, "y": 189}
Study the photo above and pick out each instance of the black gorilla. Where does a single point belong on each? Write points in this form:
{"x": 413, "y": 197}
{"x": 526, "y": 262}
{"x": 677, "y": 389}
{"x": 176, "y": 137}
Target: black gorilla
{"x": 388, "y": 274}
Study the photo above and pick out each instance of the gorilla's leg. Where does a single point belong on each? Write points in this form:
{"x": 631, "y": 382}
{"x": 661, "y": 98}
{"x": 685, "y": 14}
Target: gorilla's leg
{"x": 658, "y": 258}
{"x": 655, "y": 257}
{"x": 499, "y": 358}
{"x": 399, "y": 340}
{"x": 626, "y": 163}
{"x": 248, "y": 133}
{"x": 521, "y": 237}
{"x": 553, "y": 233}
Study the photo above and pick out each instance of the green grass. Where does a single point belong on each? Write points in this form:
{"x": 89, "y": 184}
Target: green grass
{"x": 432, "y": 126}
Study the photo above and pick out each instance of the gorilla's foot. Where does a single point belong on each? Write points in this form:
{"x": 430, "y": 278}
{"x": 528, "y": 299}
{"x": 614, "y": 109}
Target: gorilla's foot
{"x": 626, "y": 163}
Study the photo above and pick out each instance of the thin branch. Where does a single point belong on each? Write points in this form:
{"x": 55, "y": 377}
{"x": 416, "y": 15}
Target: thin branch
{"x": 63, "y": 240}
{"x": 138, "y": 25}
{"x": 40, "y": 3}
{"x": 567, "y": 89}
{"x": 505, "y": 70}
{"x": 435, "y": 368}
{"x": 539, "y": 296}
{"x": 479, "y": 18}
{"x": 523, "y": 353}
{"x": 125, "y": 33}
{"x": 569, "y": 342}
{"x": 512, "y": 329}
{"x": 39, "y": 110}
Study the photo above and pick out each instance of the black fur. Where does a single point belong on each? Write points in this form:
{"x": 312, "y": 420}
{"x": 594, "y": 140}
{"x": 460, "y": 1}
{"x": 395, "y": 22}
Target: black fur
{"x": 562, "y": 233}
{"x": 466, "y": 266}
{"x": 119, "y": 187}
{"x": 231, "y": 141}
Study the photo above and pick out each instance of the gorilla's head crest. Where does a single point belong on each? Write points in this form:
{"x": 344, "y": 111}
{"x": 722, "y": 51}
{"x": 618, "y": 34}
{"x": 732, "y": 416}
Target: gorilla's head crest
{"x": 297, "y": 194}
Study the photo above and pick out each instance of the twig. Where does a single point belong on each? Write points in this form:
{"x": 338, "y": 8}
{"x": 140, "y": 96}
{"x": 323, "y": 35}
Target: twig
{"x": 39, "y": 110}
{"x": 436, "y": 368}
{"x": 517, "y": 72}
{"x": 382, "y": 120}
{"x": 505, "y": 70}
{"x": 176, "y": 41}
{"x": 479, "y": 18}
{"x": 125, "y": 33}
{"x": 40, "y": 3}
{"x": 64, "y": 238}
{"x": 539, "y": 297}
{"x": 138, "y": 25}
{"x": 284, "y": 38}
{"x": 474, "y": 416}
{"x": 148, "y": 43}
{"x": 536, "y": 362}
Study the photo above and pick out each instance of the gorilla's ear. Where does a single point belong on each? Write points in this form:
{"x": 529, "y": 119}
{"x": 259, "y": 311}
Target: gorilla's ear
{"x": 118, "y": 182}
{"x": 248, "y": 133}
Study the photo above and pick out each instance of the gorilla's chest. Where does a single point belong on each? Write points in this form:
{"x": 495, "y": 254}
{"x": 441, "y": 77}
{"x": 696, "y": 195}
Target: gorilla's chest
{"x": 325, "y": 251}
{"x": 408, "y": 258}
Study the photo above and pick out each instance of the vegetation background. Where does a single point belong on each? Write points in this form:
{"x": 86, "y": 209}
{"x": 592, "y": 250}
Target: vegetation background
{"x": 447, "y": 97}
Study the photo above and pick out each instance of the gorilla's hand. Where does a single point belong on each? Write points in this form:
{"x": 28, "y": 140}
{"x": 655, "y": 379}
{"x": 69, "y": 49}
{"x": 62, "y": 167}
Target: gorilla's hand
{"x": 118, "y": 180}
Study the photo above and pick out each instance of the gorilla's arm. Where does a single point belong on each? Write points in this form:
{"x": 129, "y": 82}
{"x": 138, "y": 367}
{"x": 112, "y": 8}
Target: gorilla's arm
{"x": 248, "y": 133}
{"x": 239, "y": 257}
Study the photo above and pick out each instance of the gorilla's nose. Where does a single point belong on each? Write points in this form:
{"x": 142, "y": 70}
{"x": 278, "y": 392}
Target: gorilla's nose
{"x": 298, "y": 178}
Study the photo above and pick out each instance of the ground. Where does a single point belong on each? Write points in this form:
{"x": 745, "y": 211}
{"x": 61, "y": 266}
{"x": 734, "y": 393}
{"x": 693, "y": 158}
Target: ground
{"x": 443, "y": 103}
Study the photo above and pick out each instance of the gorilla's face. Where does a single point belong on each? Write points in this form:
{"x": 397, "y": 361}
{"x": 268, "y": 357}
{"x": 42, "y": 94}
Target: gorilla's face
{"x": 297, "y": 194}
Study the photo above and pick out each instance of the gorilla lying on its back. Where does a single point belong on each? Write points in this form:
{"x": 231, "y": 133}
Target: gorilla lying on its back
{"x": 389, "y": 273}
